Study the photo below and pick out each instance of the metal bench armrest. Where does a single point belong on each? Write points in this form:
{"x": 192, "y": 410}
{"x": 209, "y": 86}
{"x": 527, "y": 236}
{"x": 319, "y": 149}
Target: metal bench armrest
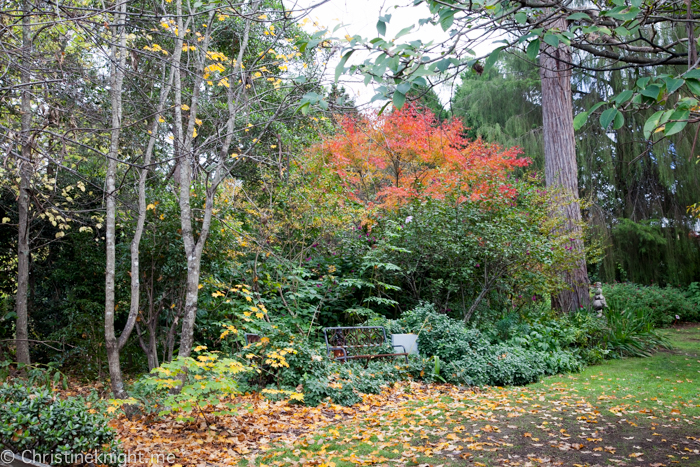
{"x": 404, "y": 350}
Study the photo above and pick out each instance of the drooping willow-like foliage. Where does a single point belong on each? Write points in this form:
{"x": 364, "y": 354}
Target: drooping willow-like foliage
{"x": 637, "y": 191}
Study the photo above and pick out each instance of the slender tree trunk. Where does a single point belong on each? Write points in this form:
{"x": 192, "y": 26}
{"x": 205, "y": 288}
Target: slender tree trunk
{"x": 22, "y": 332}
{"x": 183, "y": 149}
{"x": 186, "y": 160}
{"x": 141, "y": 220}
{"x": 560, "y": 160}
{"x": 118, "y": 57}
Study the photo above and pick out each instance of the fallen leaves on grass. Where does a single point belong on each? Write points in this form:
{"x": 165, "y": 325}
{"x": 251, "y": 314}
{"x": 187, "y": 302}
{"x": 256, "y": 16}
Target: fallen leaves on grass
{"x": 412, "y": 423}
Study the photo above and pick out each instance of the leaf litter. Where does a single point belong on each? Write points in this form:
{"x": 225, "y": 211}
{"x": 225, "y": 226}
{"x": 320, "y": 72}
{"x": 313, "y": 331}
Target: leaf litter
{"x": 412, "y": 423}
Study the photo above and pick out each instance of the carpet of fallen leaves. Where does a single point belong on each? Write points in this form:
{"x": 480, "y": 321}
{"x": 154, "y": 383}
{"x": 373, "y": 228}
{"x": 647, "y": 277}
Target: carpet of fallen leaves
{"x": 604, "y": 416}
{"x": 413, "y": 423}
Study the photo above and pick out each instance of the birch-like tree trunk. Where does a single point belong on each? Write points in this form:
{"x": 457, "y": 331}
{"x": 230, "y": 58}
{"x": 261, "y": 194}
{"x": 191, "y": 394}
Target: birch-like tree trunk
{"x": 118, "y": 61}
{"x": 25, "y": 166}
{"x": 141, "y": 219}
{"x": 561, "y": 170}
{"x": 187, "y": 160}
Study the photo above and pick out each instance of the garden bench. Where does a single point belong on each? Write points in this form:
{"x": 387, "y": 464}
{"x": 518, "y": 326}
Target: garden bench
{"x": 357, "y": 342}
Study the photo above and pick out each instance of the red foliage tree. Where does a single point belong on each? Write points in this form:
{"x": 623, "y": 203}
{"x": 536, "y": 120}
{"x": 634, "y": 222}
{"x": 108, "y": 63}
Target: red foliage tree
{"x": 386, "y": 160}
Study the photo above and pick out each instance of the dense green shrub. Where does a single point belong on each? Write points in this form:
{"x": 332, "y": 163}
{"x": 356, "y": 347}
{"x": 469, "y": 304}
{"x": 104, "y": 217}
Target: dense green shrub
{"x": 470, "y": 358}
{"x": 34, "y": 419}
{"x": 631, "y": 332}
{"x": 666, "y": 305}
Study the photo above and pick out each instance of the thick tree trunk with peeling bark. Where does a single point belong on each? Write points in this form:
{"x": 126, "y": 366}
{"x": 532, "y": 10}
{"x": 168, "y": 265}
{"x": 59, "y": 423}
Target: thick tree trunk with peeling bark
{"x": 22, "y": 297}
{"x": 561, "y": 169}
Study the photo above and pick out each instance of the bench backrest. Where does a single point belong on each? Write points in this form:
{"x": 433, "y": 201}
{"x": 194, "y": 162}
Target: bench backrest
{"x": 357, "y": 340}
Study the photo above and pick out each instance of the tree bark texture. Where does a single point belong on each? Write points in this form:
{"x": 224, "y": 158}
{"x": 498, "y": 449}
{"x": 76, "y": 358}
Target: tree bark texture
{"x": 22, "y": 297}
{"x": 118, "y": 58}
{"x": 561, "y": 168}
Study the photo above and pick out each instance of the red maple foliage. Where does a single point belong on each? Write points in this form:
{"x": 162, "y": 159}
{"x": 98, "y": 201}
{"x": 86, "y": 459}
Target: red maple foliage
{"x": 386, "y": 160}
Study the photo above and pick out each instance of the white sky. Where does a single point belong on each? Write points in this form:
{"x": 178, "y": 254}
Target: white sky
{"x": 360, "y": 17}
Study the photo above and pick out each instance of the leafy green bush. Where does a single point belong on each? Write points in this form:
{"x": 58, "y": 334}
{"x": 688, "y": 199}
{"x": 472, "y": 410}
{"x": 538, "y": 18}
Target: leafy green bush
{"x": 666, "y": 305}
{"x": 631, "y": 332}
{"x": 344, "y": 384}
{"x": 203, "y": 381}
{"x": 468, "y": 357}
{"x": 35, "y": 419}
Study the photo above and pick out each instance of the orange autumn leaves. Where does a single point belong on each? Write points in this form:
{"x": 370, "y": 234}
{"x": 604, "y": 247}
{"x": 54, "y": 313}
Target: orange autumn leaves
{"x": 387, "y": 160}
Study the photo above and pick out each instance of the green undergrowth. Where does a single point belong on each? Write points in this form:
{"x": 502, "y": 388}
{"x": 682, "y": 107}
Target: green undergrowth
{"x": 634, "y": 411}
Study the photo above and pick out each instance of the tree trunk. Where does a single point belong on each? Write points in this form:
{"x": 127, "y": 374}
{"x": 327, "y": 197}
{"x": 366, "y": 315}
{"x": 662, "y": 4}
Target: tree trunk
{"x": 118, "y": 57}
{"x": 141, "y": 220}
{"x": 184, "y": 149}
{"x": 22, "y": 332}
{"x": 560, "y": 160}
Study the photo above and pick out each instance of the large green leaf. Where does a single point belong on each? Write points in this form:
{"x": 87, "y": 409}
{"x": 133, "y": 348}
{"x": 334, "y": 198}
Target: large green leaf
{"x": 681, "y": 117}
{"x": 580, "y": 120}
{"x": 340, "y": 68}
{"x": 533, "y": 48}
{"x": 491, "y": 60}
{"x": 399, "y": 99}
{"x": 551, "y": 39}
{"x": 693, "y": 86}
{"x": 672, "y": 84}
{"x": 607, "y": 117}
{"x": 577, "y": 16}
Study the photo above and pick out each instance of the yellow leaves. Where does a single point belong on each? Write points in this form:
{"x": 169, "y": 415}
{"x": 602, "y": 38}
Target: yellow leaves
{"x": 214, "y": 67}
{"x": 161, "y": 119}
{"x": 199, "y": 348}
{"x": 5, "y": 220}
{"x": 218, "y": 293}
{"x": 223, "y": 82}
{"x": 185, "y": 107}
{"x": 262, "y": 17}
{"x": 151, "y": 206}
{"x": 155, "y": 48}
{"x": 197, "y": 121}
{"x": 111, "y": 409}
{"x": 211, "y": 55}
{"x": 194, "y": 133}
{"x": 228, "y": 329}
{"x": 200, "y": 286}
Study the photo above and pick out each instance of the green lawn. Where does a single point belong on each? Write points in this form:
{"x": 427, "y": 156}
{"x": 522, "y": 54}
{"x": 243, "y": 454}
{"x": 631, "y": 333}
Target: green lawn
{"x": 623, "y": 412}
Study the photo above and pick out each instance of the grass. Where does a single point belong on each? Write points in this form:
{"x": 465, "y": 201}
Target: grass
{"x": 636, "y": 411}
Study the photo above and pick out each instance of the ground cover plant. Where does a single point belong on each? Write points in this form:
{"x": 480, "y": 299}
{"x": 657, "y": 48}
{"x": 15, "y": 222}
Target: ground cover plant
{"x": 58, "y": 430}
